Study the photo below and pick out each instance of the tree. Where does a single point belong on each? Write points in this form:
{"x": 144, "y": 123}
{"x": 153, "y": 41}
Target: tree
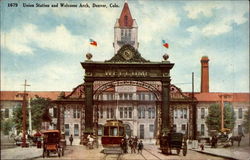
{"x": 7, "y": 125}
{"x": 17, "y": 118}
{"x": 246, "y": 122}
{"x": 213, "y": 119}
{"x": 39, "y": 112}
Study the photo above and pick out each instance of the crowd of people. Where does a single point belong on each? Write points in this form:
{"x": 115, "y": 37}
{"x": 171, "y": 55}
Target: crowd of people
{"x": 133, "y": 143}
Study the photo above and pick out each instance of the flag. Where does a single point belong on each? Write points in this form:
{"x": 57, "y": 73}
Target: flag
{"x": 165, "y": 44}
{"x": 92, "y": 42}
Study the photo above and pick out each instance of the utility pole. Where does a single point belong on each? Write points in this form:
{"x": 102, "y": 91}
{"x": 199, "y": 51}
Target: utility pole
{"x": 24, "y": 106}
{"x": 30, "y": 122}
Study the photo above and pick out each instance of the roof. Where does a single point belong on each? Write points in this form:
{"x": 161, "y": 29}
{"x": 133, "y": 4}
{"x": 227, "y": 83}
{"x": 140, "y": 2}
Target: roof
{"x": 125, "y": 19}
{"x": 17, "y": 95}
{"x": 216, "y": 97}
{"x": 201, "y": 97}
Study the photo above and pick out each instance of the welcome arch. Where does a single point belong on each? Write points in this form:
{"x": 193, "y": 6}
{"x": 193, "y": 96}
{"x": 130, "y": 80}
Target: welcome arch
{"x": 127, "y": 65}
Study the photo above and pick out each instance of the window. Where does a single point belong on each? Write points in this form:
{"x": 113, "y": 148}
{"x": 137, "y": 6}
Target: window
{"x": 202, "y": 129}
{"x": 122, "y": 33}
{"x": 185, "y": 113}
{"x": 110, "y": 96}
{"x": 107, "y": 112}
{"x": 113, "y": 131}
{"x": 130, "y": 112}
{"x": 240, "y": 113}
{"x": 240, "y": 130}
{"x": 130, "y": 96}
{"x": 66, "y": 126}
{"x": 76, "y": 129}
{"x": 151, "y": 128}
{"x": 76, "y": 113}
{"x": 125, "y": 112}
{"x": 6, "y": 113}
{"x": 175, "y": 113}
{"x": 141, "y": 112}
{"x": 181, "y": 113}
{"x": 151, "y": 112}
{"x": 183, "y": 127}
{"x": 101, "y": 112}
{"x": 126, "y": 96}
{"x": 121, "y": 112}
{"x": 202, "y": 113}
{"x": 175, "y": 127}
{"x": 120, "y": 96}
{"x": 149, "y": 96}
{"x": 112, "y": 112}
{"x": 55, "y": 112}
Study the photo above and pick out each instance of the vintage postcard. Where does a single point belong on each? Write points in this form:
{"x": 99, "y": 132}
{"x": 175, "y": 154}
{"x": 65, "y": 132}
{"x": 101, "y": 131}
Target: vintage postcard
{"x": 165, "y": 79}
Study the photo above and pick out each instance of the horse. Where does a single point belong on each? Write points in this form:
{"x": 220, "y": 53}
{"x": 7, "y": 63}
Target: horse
{"x": 236, "y": 138}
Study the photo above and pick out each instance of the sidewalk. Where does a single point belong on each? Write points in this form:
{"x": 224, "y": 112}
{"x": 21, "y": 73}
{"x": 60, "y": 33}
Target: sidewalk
{"x": 239, "y": 153}
{"x": 21, "y": 153}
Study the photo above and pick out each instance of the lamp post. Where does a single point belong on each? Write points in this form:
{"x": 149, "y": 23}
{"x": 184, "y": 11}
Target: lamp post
{"x": 24, "y": 106}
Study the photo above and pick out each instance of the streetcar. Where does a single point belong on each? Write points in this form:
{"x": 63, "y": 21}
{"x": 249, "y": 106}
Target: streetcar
{"x": 113, "y": 134}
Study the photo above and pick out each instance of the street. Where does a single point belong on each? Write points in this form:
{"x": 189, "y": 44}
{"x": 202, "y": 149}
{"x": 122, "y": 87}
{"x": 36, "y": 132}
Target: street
{"x": 150, "y": 152}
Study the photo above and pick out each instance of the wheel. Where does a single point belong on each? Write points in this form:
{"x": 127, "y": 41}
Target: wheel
{"x": 178, "y": 150}
{"x": 184, "y": 150}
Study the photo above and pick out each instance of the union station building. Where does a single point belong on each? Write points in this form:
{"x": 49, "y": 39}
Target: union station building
{"x": 131, "y": 94}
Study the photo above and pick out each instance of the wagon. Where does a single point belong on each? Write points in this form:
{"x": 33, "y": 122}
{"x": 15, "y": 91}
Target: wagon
{"x": 173, "y": 141}
{"x": 51, "y": 143}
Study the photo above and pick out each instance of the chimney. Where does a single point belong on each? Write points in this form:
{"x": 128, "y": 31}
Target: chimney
{"x": 204, "y": 74}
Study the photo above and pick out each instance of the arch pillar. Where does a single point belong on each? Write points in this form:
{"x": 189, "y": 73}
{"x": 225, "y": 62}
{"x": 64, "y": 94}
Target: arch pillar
{"x": 89, "y": 106}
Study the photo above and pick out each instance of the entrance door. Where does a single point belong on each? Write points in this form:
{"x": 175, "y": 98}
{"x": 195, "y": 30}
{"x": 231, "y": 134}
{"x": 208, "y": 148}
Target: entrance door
{"x": 141, "y": 131}
{"x": 127, "y": 130}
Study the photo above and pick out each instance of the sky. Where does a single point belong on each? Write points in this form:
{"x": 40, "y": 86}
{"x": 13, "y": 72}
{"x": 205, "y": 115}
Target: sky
{"x": 45, "y": 45}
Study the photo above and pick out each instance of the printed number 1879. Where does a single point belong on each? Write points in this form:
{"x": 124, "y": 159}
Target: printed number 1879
{"x": 12, "y": 5}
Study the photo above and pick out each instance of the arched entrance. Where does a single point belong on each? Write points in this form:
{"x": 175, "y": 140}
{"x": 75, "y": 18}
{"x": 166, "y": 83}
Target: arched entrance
{"x": 130, "y": 110}
{"x": 124, "y": 68}
{"x": 128, "y": 130}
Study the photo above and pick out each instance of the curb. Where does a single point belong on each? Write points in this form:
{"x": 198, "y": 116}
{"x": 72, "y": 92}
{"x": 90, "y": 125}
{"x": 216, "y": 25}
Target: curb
{"x": 214, "y": 154}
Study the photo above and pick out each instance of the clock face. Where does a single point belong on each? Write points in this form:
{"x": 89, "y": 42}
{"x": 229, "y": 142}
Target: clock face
{"x": 127, "y": 54}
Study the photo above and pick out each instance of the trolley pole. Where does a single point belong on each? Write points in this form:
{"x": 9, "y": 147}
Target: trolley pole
{"x": 24, "y": 106}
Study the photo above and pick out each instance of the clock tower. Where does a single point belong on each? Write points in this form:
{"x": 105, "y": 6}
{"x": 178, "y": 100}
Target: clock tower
{"x": 125, "y": 30}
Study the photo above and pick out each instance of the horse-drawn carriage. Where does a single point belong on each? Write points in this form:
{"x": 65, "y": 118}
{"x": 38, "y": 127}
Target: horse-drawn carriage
{"x": 52, "y": 143}
{"x": 175, "y": 141}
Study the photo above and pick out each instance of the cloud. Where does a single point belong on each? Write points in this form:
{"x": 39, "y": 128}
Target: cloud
{"x": 25, "y": 39}
{"x": 151, "y": 23}
{"x": 223, "y": 14}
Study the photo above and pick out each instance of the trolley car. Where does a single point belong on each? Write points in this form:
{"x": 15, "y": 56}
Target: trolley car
{"x": 113, "y": 134}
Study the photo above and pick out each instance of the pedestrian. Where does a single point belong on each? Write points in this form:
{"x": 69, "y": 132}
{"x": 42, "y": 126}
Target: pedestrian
{"x": 71, "y": 139}
{"x": 202, "y": 147}
{"x": 134, "y": 145}
{"x": 125, "y": 145}
{"x": 140, "y": 147}
{"x": 130, "y": 142}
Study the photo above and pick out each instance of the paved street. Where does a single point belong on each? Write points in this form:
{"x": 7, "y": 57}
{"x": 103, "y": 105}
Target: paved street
{"x": 151, "y": 153}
